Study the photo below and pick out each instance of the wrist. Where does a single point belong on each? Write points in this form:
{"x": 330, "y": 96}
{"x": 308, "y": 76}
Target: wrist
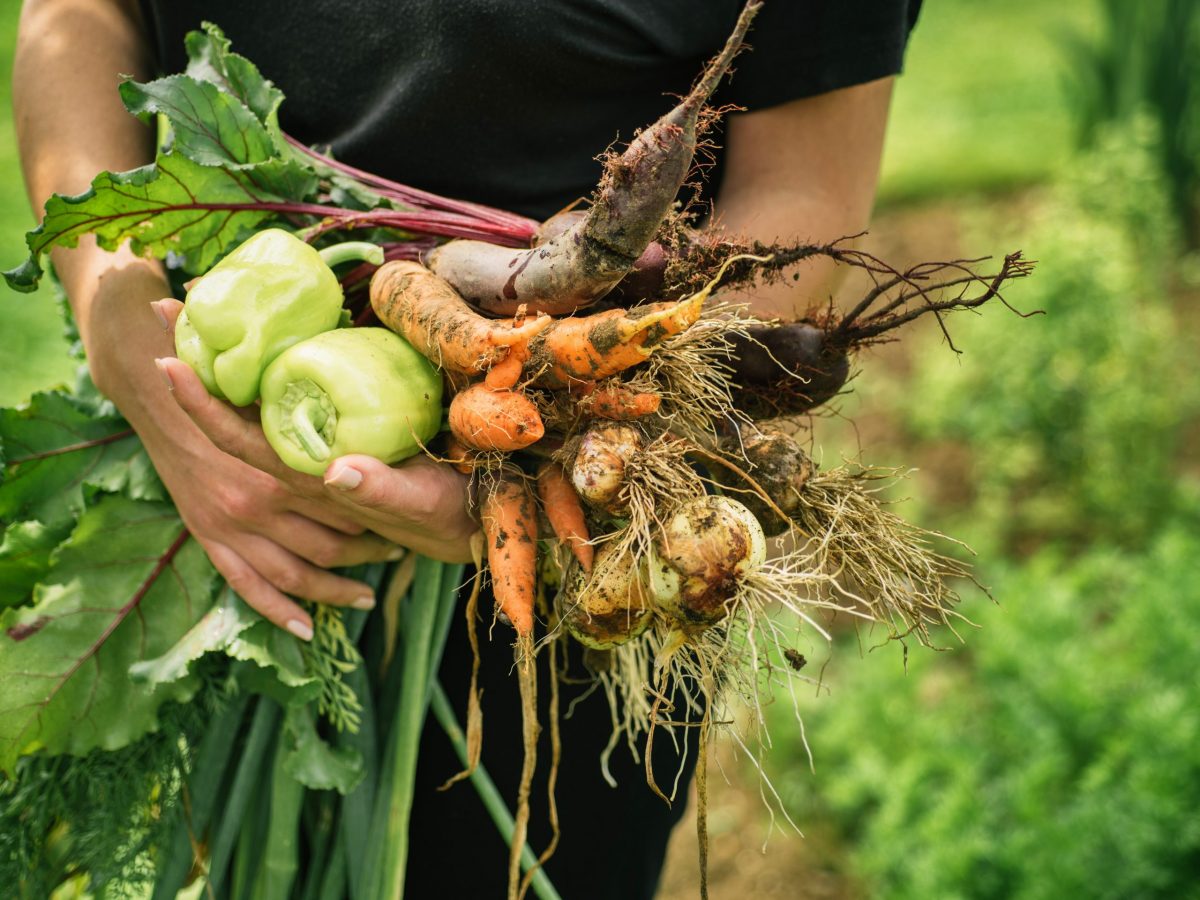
{"x": 110, "y": 295}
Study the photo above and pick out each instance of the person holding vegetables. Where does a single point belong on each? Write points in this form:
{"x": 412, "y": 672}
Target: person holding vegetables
{"x": 504, "y": 104}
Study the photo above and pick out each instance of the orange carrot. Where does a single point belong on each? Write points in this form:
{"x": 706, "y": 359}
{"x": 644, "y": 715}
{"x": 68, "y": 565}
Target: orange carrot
{"x": 565, "y": 512}
{"x": 430, "y": 315}
{"x": 506, "y": 373}
{"x": 613, "y": 400}
{"x": 588, "y": 348}
{"x": 459, "y": 455}
{"x": 484, "y": 419}
{"x": 509, "y": 518}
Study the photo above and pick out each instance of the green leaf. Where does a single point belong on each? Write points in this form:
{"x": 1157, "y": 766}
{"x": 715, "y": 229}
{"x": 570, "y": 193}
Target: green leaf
{"x": 214, "y": 631}
{"x": 174, "y": 206}
{"x": 210, "y": 60}
{"x": 25, "y": 558}
{"x": 275, "y": 663}
{"x": 313, "y": 762}
{"x": 124, "y": 587}
{"x": 211, "y": 127}
{"x": 56, "y": 452}
{"x": 280, "y": 670}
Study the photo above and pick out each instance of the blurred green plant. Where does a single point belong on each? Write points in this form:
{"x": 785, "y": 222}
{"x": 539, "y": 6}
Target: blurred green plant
{"x": 1055, "y": 758}
{"x": 1145, "y": 59}
{"x": 1071, "y": 420}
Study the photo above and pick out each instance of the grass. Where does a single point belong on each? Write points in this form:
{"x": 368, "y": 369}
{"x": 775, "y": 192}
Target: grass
{"x": 981, "y": 106}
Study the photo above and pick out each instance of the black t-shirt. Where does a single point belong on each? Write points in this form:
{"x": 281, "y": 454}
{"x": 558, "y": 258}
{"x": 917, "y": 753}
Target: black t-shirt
{"x": 510, "y": 103}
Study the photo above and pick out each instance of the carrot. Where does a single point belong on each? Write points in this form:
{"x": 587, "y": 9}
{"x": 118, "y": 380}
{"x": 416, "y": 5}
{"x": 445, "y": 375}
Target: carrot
{"x": 589, "y": 348}
{"x": 430, "y": 315}
{"x": 509, "y": 517}
{"x": 484, "y": 419}
{"x": 459, "y": 455}
{"x": 506, "y": 373}
{"x": 583, "y": 263}
{"x": 616, "y": 402}
{"x": 565, "y": 512}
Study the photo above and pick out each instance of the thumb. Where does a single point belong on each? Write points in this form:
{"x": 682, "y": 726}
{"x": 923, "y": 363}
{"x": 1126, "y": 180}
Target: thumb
{"x": 168, "y": 311}
{"x": 418, "y": 491}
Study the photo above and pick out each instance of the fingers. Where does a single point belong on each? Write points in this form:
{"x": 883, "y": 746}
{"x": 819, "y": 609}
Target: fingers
{"x": 221, "y": 424}
{"x": 292, "y": 575}
{"x": 419, "y": 504}
{"x": 331, "y": 549}
{"x": 264, "y": 598}
{"x": 329, "y": 515}
{"x": 276, "y": 573}
{"x": 168, "y": 311}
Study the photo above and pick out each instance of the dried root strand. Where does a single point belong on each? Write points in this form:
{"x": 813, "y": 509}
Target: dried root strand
{"x": 901, "y": 581}
{"x": 526, "y": 667}
{"x": 692, "y": 373}
{"x": 552, "y": 778}
{"x": 702, "y": 792}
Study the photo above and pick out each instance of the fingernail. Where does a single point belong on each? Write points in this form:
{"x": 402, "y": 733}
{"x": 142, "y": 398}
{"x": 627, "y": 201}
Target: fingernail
{"x": 300, "y": 629}
{"x": 162, "y": 317}
{"x": 344, "y": 477}
{"x": 365, "y": 602}
{"x": 166, "y": 375}
{"x": 396, "y": 553}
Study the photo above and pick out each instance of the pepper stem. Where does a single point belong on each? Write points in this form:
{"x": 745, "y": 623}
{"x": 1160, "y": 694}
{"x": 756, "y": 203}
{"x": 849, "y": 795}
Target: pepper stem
{"x": 306, "y": 431}
{"x": 348, "y": 250}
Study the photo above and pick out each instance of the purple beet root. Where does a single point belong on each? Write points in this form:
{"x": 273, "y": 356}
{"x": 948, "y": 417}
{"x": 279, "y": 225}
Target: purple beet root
{"x": 581, "y": 264}
{"x": 789, "y": 368}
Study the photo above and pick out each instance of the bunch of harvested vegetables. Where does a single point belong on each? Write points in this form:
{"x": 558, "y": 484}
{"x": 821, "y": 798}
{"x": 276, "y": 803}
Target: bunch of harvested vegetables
{"x": 607, "y": 406}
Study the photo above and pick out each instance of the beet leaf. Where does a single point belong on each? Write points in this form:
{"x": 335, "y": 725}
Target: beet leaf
{"x": 123, "y": 587}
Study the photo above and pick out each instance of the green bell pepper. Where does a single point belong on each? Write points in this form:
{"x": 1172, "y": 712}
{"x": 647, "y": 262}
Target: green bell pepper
{"x": 271, "y": 292}
{"x": 351, "y": 390}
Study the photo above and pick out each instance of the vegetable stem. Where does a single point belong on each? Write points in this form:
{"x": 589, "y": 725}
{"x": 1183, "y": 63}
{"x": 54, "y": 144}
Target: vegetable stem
{"x": 304, "y": 420}
{"x": 262, "y": 732}
{"x": 281, "y": 855}
{"x": 352, "y": 250}
{"x": 212, "y": 758}
{"x": 388, "y": 853}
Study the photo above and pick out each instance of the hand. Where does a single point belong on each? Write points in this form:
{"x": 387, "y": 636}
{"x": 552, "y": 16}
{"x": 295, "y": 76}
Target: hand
{"x": 419, "y": 504}
{"x": 269, "y": 543}
{"x": 263, "y": 538}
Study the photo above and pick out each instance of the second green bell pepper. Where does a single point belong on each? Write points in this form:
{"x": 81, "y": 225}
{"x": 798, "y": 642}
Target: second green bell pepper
{"x": 351, "y": 390}
{"x": 271, "y": 292}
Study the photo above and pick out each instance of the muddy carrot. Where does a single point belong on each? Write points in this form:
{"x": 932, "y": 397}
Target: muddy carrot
{"x": 565, "y": 512}
{"x": 484, "y": 419}
{"x": 430, "y": 315}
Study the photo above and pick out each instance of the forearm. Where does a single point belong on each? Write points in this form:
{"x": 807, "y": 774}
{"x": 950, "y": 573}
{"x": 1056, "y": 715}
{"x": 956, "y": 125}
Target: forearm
{"x": 805, "y": 171}
{"x": 70, "y": 124}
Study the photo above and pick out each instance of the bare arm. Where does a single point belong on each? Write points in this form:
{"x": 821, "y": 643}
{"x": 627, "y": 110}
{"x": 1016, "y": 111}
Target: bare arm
{"x": 271, "y": 535}
{"x": 70, "y": 125}
{"x": 804, "y": 171}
